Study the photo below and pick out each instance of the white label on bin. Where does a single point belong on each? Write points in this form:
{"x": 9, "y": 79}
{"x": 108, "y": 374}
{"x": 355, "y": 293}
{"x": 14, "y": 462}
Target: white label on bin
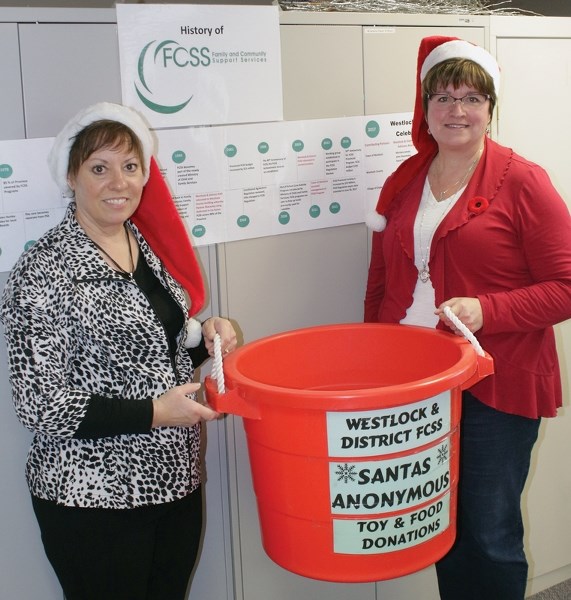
{"x": 385, "y": 486}
{"x": 390, "y": 430}
{"x": 378, "y": 536}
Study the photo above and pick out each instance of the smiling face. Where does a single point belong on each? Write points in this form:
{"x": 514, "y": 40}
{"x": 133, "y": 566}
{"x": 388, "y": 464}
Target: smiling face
{"x": 108, "y": 188}
{"x": 106, "y": 174}
{"x": 458, "y": 125}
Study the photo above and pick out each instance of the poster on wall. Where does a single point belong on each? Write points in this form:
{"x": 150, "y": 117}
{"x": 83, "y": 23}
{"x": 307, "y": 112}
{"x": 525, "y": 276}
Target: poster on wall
{"x": 231, "y": 182}
{"x": 254, "y": 180}
{"x": 195, "y": 64}
{"x": 30, "y": 201}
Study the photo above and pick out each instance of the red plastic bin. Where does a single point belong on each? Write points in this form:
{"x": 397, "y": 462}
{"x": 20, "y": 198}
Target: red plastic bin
{"x": 353, "y": 439}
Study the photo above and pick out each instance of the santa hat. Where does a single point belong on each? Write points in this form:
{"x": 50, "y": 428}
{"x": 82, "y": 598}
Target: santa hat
{"x": 58, "y": 158}
{"x": 432, "y": 51}
{"x": 156, "y": 217}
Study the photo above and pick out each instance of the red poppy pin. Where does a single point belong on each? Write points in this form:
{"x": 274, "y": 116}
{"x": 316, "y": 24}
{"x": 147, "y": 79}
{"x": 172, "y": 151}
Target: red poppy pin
{"x": 478, "y": 205}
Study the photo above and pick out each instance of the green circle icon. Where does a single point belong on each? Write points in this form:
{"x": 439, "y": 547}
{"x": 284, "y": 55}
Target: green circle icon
{"x": 230, "y": 150}
{"x": 326, "y": 143}
{"x": 263, "y": 147}
{"x": 334, "y": 207}
{"x": 198, "y": 231}
{"x": 5, "y": 171}
{"x": 297, "y": 146}
{"x": 178, "y": 156}
{"x": 345, "y": 142}
{"x": 29, "y": 244}
{"x": 284, "y": 217}
{"x": 314, "y": 211}
{"x": 243, "y": 221}
{"x": 372, "y": 129}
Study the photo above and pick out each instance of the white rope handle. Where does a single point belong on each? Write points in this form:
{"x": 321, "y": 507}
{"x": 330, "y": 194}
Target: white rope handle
{"x": 465, "y": 331}
{"x": 217, "y": 372}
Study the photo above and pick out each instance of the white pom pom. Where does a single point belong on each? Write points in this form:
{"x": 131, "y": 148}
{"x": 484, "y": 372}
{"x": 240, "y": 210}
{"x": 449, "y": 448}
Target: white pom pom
{"x": 375, "y": 221}
{"x": 193, "y": 333}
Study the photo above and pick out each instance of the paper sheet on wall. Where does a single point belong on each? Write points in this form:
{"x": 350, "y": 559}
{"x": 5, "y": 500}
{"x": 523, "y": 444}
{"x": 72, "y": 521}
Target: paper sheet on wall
{"x": 231, "y": 182}
{"x": 198, "y": 64}
{"x": 30, "y": 201}
{"x": 240, "y": 181}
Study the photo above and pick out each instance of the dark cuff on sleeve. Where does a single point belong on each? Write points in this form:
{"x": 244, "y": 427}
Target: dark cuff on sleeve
{"x": 108, "y": 417}
{"x": 199, "y": 354}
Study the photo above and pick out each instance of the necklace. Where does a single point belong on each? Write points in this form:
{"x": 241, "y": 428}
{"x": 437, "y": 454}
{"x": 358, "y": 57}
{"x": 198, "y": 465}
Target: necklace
{"x": 424, "y": 271}
{"x": 118, "y": 267}
{"x": 460, "y": 182}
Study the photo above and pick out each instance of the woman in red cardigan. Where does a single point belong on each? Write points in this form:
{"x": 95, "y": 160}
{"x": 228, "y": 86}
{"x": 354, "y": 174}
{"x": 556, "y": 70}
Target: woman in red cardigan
{"x": 469, "y": 224}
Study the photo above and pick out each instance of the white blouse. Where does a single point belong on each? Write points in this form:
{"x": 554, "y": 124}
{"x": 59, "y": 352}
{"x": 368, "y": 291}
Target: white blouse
{"x": 429, "y": 216}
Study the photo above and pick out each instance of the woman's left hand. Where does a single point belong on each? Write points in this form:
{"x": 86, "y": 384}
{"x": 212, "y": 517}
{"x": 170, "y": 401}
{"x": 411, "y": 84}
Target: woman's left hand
{"x": 225, "y": 329}
{"x": 468, "y": 310}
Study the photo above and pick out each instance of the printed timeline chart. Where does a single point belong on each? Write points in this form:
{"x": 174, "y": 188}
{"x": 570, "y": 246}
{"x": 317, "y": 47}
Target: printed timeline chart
{"x": 230, "y": 182}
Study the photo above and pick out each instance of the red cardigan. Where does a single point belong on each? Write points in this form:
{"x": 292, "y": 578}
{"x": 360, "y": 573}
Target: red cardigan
{"x": 512, "y": 252}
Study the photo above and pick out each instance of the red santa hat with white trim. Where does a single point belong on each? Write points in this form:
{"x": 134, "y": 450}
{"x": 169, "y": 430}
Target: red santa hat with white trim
{"x": 156, "y": 217}
{"x": 432, "y": 51}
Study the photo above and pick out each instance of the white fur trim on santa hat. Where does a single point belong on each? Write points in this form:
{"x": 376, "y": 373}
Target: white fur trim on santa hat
{"x": 375, "y": 221}
{"x": 193, "y": 333}
{"x": 462, "y": 49}
{"x": 58, "y": 159}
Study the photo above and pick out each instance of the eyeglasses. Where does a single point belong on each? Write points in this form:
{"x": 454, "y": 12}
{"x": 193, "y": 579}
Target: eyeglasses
{"x": 470, "y": 101}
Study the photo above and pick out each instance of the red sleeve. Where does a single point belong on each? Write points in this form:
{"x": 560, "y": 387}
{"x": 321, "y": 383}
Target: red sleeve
{"x": 544, "y": 228}
{"x": 376, "y": 280}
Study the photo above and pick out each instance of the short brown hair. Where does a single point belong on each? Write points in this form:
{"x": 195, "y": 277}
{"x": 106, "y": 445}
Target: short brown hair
{"x": 458, "y": 71}
{"x": 102, "y": 134}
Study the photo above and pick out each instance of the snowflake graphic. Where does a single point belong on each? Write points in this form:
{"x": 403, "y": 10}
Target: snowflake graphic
{"x": 442, "y": 454}
{"x": 346, "y": 473}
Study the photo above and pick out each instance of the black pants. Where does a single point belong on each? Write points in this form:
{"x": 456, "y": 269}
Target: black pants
{"x": 145, "y": 553}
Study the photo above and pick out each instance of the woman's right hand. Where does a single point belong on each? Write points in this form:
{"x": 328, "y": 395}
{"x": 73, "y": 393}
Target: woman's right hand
{"x": 176, "y": 409}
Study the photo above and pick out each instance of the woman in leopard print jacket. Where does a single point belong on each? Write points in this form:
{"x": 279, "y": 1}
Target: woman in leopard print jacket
{"x": 96, "y": 322}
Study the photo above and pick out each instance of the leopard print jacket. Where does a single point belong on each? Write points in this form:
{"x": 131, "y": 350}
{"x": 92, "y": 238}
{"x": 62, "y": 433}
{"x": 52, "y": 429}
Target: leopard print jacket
{"x": 75, "y": 327}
